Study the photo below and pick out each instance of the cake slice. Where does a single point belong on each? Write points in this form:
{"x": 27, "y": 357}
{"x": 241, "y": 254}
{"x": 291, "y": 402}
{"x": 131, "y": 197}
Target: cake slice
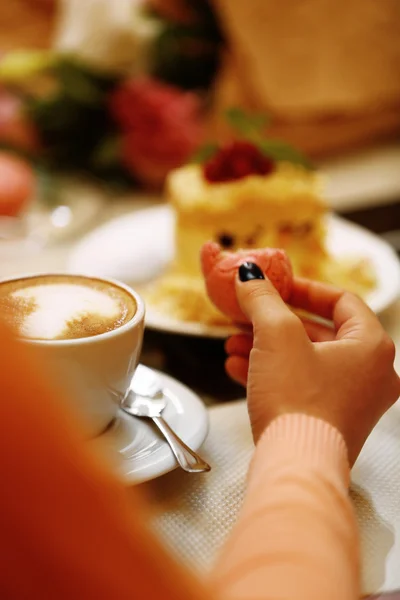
{"x": 283, "y": 209}
{"x": 247, "y": 195}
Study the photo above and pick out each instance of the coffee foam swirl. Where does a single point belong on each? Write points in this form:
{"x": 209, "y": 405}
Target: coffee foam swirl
{"x": 65, "y": 309}
{"x": 56, "y": 307}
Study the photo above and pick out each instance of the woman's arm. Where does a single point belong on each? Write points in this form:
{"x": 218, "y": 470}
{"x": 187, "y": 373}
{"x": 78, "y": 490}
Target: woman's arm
{"x": 306, "y": 382}
{"x": 296, "y": 537}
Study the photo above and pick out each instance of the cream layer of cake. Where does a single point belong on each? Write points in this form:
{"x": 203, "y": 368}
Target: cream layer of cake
{"x": 281, "y": 210}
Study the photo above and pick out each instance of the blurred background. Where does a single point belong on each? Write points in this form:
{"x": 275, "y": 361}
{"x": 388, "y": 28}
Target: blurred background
{"x": 100, "y": 99}
{"x": 84, "y": 86}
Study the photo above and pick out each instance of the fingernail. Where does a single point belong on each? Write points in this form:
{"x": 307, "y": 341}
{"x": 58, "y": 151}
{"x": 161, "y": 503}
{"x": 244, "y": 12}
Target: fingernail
{"x": 249, "y": 271}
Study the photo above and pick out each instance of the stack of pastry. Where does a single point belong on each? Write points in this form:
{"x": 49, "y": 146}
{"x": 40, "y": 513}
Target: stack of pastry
{"x": 327, "y": 71}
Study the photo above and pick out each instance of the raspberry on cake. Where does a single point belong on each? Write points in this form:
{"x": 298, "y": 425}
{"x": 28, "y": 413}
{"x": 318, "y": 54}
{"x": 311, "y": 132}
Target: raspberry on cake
{"x": 235, "y": 161}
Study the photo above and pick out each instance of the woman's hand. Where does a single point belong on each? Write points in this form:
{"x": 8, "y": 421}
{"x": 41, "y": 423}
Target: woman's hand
{"x": 342, "y": 374}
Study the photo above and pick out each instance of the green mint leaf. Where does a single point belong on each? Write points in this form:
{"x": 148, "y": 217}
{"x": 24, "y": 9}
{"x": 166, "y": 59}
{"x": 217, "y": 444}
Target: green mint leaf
{"x": 251, "y": 128}
{"x": 247, "y": 125}
{"x": 281, "y": 151}
{"x": 204, "y": 153}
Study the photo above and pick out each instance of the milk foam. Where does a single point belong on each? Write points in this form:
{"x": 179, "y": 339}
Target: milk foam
{"x": 56, "y": 306}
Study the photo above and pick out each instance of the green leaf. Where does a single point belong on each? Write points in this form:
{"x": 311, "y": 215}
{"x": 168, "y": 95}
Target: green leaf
{"x": 205, "y": 153}
{"x": 78, "y": 84}
{"x": 70, "y": 131}
{"x": 184, "y": 56}
{"x": 49, "y": 187}
{"x": 107, "y": 153}
{"x": 281, "y": 151}
{"x": 17, "y": 66}
{"x": 252, "y": 126}
{"x": 248, "y": 125}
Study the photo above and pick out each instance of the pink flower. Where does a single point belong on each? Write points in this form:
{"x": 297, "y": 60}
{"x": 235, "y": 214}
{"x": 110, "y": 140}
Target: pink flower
{"x": 15, "y": 129}
{"x": 161, "y": 127}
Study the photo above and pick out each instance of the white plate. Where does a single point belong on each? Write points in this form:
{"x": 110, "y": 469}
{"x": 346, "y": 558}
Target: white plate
{"x": 363, "y": 178}
{"x": 137, "y": 247}
{"x": 137, "y": 450}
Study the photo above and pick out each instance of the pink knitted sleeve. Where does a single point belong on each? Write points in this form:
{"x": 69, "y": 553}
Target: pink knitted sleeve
{"x": 296, "y": 537}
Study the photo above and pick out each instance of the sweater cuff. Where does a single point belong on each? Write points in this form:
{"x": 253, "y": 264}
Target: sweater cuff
{"x": 302, "y": 439}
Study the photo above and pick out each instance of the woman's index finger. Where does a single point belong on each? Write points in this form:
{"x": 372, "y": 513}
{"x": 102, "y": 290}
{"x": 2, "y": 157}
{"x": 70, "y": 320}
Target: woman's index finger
{"x": 315, "y": 297}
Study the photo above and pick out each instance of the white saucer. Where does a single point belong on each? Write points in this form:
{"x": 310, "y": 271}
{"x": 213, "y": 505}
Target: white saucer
{"x": 136, "y": 248}
{"x": 136, "y": 449}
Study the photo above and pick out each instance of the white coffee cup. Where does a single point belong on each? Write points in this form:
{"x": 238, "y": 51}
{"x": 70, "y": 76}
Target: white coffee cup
{"x": 95, "y": 372}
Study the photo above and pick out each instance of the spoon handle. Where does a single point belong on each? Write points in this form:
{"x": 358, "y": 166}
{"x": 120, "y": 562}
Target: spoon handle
{"x": 187, "y": 458}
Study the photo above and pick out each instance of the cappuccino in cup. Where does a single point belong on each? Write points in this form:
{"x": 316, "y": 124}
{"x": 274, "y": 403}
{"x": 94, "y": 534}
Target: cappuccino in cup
{"x": 87, "y": 331}
{"x": 64, "y": 307}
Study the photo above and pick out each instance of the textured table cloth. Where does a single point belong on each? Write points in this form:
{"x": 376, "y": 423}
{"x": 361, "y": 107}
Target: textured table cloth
{"x": 194, "y": 514}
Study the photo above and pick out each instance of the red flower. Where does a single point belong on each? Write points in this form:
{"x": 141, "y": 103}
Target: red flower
{"x": 15, "y": 129}
{"x": 235, "y": 161}
{"x": 160, "y": 124}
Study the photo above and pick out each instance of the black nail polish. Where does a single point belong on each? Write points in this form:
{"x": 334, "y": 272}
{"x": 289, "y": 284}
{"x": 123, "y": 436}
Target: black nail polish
{"x": 249, "y": 271}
